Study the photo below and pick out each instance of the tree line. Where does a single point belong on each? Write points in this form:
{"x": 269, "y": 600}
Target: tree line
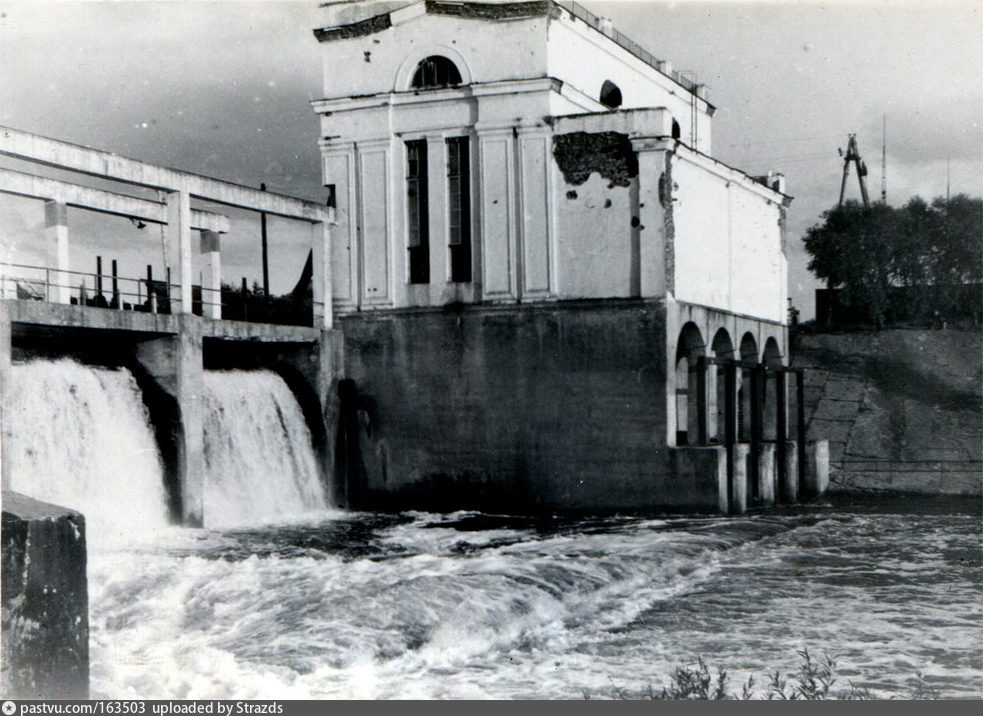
{"x": 907, "y": 264}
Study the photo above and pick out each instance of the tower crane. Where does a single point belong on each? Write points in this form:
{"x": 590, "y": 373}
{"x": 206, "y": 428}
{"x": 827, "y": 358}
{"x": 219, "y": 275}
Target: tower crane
{"x": 853, "y": 155}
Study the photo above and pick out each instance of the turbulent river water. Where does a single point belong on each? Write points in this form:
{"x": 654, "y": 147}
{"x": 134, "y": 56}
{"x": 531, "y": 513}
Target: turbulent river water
{"x": 310, "y": 603}
{"x": 474, "y": 606}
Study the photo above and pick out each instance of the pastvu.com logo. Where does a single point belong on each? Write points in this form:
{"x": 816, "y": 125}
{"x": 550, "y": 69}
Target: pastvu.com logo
{"x": 8, "y": 708}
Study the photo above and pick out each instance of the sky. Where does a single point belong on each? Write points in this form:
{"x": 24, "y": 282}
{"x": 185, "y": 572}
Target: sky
{"x": 223, "y": 89}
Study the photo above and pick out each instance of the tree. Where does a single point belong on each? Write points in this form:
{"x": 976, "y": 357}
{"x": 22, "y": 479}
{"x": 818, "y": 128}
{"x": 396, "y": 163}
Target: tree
{"x": 854, "y": 248}
{"x": 919, "y": 260}
{"x": 955, "y": 258}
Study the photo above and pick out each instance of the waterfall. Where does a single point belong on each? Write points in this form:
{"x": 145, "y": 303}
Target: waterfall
{"x": 259, "y": 460}
{"x": 81, "y": 437}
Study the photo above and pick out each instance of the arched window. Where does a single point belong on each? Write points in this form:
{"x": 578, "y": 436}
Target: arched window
{"x": 675, "y": 129}
{"x": 435, "y": 71}
{"x": 610, "y": 95}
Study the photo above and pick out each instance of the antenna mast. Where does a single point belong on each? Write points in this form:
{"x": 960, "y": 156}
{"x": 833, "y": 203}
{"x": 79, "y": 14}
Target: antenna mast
{"x": 853, "y": 155}
{"x": 884, "y": 161}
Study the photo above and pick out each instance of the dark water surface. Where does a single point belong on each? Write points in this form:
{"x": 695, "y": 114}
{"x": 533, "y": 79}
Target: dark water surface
{"x": 478, "y": 606}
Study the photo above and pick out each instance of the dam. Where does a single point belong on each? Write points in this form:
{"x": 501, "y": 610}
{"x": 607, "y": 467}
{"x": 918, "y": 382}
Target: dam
{"x": 483, "y": 436}
{"x": 545, "y": 297}
{"x": 530, "y": 287}
{"x": 172, "y": 347}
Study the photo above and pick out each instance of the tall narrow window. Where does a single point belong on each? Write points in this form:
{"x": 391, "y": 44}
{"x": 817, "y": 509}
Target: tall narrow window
{"x": 417, "y": 215}
{"x": 459, "y": 207}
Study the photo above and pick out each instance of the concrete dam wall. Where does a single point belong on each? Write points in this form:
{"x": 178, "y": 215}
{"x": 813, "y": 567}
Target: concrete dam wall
{"x": 508, "y": 409}
{"x": 901, "y": 408}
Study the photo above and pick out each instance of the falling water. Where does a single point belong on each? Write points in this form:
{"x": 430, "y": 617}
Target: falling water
{"x": 465, "y": 605}
{"x": 81, "y": 437}
{"x": 259, "y": 461}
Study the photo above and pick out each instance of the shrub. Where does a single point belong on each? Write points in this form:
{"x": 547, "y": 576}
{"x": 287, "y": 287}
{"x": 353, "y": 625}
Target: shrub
{"x": 813, "y": 681}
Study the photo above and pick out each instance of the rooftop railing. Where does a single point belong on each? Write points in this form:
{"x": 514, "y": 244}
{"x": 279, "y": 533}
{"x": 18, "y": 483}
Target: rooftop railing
{"x": 582, "y": 13}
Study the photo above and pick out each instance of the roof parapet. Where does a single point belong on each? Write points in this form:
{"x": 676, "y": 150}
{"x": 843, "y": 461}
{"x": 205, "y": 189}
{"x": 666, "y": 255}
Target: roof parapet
{"x": 358, "y": 19}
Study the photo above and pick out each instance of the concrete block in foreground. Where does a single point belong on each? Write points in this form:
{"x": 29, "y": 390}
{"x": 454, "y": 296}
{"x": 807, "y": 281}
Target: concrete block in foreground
{"x": 45, "y": 601}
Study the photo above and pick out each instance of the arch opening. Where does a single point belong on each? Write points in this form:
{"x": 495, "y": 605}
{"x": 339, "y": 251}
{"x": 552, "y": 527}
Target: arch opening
{"x": 689, "y": 347}
{"x": 772, "y": 358}
{"x": 749, "y": 357}
{"x": 434, "y": 72}
{"x": 722, "y": 347}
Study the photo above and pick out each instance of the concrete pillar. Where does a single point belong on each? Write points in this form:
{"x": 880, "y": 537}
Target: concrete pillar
{"x": 692, "y": 402}
{"x": 791, "y": 458}
{"x": 56, "y": 251}
{"x": 715, "y": 411}
{"x": 650, "y": 230}
{"x": 769, "y": 407}
{"x": 175, "y": 363}
{"x": 744, "y": 391}
{"x": 330, "y": 370}
{"x": 211, "y": 270}
{"x": 817, "y": 474}
{"x": 178, "y": 241}
{"x": 321, "y": 288}
{"x": 45, "y": 623}
{"x": 738, "y": 496}
{"x": 767, "y": 474}
{"x": 702, "y": 402}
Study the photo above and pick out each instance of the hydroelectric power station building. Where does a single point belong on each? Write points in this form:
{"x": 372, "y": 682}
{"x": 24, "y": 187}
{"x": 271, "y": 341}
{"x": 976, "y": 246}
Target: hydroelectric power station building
{"x": 533, "y": 288}
{"x": 551, "y": 295}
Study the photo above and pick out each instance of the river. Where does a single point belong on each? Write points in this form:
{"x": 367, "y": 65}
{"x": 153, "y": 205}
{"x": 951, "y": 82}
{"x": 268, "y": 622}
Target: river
{"x": 314, "y": 603}
{"x": 477, "y": 606}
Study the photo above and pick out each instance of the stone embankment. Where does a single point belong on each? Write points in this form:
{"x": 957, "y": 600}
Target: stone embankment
{"x": 901, "y": 408}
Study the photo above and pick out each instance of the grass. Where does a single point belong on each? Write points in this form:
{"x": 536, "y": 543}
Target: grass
{"x": 814, "y": 680}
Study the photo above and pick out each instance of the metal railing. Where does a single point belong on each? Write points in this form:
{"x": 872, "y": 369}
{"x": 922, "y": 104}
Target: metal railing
{"x": 149, "y": 295}
{"x": 99, "y": 290}
{"x": 582, "y": 13}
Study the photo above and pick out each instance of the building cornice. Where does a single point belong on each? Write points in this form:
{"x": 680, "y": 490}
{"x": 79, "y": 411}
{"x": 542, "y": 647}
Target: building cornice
{"x": 334, "y": 105}
{"x": 511, "y": 11}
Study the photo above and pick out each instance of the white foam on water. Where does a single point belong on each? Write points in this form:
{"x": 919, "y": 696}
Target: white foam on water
{"x": 540, "y": 616}
{"x": 81, "y": 438}
{"x": 259, "y": 460}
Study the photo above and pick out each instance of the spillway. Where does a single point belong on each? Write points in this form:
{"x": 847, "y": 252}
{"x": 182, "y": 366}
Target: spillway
{"x": 259, "y": 460}
{"x": 81, "y": 437}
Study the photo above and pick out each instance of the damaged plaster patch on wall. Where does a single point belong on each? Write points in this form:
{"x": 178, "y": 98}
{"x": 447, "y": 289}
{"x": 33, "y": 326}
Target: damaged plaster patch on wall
{"x": 580, "y": 154}
{"x": 666, "y": 189}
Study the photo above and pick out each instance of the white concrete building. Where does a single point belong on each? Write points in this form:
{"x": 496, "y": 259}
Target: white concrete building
{"x": 506, "y": 153}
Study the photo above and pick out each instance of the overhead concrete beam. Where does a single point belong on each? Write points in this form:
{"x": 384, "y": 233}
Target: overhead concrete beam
{"x": 51, "y": 152}
{"x": 104, "y": 202}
